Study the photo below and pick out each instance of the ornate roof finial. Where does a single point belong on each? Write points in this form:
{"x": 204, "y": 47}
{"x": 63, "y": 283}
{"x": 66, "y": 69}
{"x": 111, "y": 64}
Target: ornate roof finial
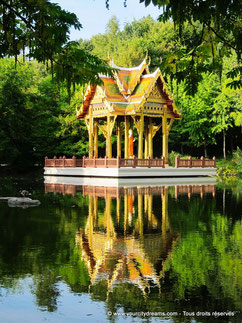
{"x": 147, "y": 57}
{"x": 109, "y": 58}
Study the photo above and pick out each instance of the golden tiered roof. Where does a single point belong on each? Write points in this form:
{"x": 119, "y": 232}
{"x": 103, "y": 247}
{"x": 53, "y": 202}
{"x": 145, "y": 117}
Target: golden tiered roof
{"x": 131, "y": 89}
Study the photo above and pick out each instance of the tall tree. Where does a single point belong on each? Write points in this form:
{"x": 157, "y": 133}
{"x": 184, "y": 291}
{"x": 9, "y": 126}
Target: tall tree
{"x": 220, "y": 34}
{"x": 28, "y": 108}
{"x": 197, "y": 111}
{"x": 43, "y": 29}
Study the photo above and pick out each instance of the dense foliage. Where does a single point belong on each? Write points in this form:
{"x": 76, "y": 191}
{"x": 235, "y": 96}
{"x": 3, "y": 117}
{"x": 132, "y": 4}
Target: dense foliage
{"x": 37, "y": 119}
{"x": 40, "y": 30}
{"x": 220, "y": 33}
{"x": 32, "y": 108}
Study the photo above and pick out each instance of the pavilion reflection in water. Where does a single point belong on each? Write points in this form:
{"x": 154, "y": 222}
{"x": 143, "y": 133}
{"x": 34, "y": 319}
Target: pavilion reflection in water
{"x": 126, "y": 241}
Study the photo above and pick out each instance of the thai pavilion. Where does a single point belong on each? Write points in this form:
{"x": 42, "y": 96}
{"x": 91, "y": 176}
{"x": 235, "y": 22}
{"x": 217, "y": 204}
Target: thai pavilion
{"x": 134, "y": 97}
{"x": 134, "y": 103}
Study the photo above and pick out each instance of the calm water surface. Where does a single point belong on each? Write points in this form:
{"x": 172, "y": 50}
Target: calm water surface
{"x": 95, "y": 254}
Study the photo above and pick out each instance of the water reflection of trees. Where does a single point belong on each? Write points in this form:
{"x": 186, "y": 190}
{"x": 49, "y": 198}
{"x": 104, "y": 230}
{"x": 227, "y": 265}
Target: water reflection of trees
{"x": 140, "y": 250}
{"x": 209, "y": 253}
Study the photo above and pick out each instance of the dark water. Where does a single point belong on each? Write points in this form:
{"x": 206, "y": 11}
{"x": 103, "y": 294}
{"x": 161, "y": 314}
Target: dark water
{"x": 151, "y": 254}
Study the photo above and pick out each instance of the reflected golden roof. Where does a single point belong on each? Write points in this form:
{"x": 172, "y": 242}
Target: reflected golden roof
{"x": 117, "y": 260}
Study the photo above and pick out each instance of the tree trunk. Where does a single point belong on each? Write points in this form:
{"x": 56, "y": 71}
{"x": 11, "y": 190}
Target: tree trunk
{"x": 205, "y": 151}
{"x": 224, "y": 145}
{"x": 231, "y": 144}
{"x": 182, "y": 153}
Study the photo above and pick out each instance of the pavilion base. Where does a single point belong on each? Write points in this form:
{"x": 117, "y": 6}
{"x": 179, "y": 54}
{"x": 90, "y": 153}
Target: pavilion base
{"x": 129, "y": 172}
{"x": 128, "y": 182}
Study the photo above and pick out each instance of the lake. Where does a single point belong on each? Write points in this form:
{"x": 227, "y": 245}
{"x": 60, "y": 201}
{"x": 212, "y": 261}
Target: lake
{"x": 160, "y": 253}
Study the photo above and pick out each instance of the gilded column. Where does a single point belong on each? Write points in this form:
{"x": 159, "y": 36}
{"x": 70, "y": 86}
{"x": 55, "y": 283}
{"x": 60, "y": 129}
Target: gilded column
{"x": 150, "y": 138}
{"x": 108, "y": 139}
{"x": 165, "y": 136}
{"x": 146, "y": 140}
{"x": 126, "y": 136}
{"x": 131, "y": 139}
{"x": 141, "y": 133}
{"x": 90, "y": 132}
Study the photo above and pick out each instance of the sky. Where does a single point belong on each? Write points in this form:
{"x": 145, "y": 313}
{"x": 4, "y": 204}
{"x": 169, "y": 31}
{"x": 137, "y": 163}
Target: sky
{"x": 94, "y": 16}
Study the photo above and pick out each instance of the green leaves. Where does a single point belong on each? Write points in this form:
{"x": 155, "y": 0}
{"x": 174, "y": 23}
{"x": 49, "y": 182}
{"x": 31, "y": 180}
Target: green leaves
{"x": 235, "y": 74}
{"x": 147, "y": 2}
{"x": 43, "y": 28}
{"x": 221, "y": 21}
{"x": 75, "y": 66}
{"x": 197, "y": 110}
{"x": 155, "y": 2}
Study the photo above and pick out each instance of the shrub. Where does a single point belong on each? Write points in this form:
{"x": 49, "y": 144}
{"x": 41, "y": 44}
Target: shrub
{"x": 172, "y": 157}
{"x": 231, "y": 166}
{"x": 237, "y": 160}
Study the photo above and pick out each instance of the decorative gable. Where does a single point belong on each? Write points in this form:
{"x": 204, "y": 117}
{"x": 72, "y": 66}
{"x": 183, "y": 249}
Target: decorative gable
{"x": 99, "y": 96}
{"x": 156, "y": 95}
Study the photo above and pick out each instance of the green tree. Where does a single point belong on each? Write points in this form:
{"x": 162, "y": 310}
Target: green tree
{"x": 197, "y": 110}
{"x": 227, "y": 108}
{"x": 71, "y": 132}
{"x": 16, "y": 111}
{"x": 129, "y": 46}
{"x": 222, "y": 117}
{"x": 220, "y": 33}
{"x": 43, "y": 28}
{"x": 36, "y": 118}
{"x": 29, "y": 107}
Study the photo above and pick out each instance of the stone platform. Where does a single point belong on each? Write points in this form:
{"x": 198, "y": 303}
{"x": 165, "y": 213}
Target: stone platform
{"x": 129, "y": 172}
{"x": 129, "y": 182}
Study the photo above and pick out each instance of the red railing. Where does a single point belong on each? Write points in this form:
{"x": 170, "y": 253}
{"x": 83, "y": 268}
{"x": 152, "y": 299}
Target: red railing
{"x": 62, "y": 162}
{"x": 104, "y": 162}
{"x": 136, "y": 162}
{"x": 202, "y": 162}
